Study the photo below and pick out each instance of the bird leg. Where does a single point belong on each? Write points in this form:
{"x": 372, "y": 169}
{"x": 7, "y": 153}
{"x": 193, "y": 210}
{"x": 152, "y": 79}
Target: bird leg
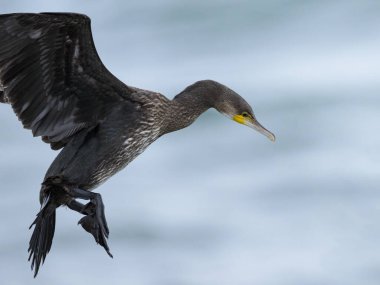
{"x": 83, "y": 209}
{"x": 94, "y": 220}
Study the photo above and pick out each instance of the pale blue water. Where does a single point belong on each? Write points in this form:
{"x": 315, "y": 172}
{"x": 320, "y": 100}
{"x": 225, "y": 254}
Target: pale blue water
{"x": 218, "y": 203}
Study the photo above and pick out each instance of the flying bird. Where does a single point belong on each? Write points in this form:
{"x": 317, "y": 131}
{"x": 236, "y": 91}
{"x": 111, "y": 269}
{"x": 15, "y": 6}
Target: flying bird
{"x": 56, "y": 84}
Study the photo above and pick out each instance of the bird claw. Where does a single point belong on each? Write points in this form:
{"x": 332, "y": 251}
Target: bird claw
{"x": 94, "y": 220}
{"x": 95, "y": 208}
{"x": 96, "y": 227}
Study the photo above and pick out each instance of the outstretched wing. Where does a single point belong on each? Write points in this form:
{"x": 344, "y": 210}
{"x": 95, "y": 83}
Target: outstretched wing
{"x": 52, "y": 75}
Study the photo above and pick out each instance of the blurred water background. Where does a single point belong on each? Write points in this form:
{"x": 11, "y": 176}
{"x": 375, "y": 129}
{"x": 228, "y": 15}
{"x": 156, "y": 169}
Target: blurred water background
{"x": 217, "y": 203}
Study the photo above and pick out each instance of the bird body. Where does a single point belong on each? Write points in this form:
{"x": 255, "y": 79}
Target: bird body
{"x": 97, "y": 153}
{"x": 52, "y": 76}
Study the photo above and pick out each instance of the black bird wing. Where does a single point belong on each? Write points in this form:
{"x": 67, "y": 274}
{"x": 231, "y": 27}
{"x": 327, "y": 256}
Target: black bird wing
{"x": 52, "y": 75}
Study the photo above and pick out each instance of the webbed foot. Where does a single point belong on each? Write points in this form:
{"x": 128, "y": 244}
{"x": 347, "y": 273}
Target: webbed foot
{"x": 94, "y": 221}
{"x": 94, "y": 226}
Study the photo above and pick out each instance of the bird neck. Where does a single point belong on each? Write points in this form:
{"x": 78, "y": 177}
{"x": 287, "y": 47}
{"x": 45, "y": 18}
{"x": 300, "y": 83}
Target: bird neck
{"x": 187, "y": 106}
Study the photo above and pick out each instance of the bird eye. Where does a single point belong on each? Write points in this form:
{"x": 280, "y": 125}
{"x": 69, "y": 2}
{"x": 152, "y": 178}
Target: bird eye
{"x": 245, "y": 114}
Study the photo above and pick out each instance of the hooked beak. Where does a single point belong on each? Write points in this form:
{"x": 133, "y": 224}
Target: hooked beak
{"x": 254, "y": 124}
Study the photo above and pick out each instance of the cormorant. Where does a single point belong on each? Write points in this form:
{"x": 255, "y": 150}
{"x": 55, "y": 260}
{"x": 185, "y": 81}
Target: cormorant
{"x": 52, "y": 76}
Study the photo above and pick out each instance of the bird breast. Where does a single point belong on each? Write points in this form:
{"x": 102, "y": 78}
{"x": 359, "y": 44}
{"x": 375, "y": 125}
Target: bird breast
{"x": 121, "y": 157}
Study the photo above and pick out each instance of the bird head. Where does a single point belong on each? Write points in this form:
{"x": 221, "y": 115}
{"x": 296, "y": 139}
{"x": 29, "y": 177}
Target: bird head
{"x": 232, "y": 105}
{"x": 204, "y": 94}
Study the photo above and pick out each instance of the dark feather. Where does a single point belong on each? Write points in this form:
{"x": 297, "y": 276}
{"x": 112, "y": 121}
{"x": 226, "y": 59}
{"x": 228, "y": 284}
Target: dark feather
{"x": 53, "y": 76}
{"x": 3, "y": 99}
{"x": 43, "y": 233}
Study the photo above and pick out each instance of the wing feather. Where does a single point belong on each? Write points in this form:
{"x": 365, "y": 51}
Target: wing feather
{"x": 52, "y": 75}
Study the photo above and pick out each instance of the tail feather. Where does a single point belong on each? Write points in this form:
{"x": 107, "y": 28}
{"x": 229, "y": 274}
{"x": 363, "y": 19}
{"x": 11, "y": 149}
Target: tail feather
{"x": 42, "y": 237}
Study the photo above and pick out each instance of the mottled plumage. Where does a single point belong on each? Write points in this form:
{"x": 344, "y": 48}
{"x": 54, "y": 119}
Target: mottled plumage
{"x": 52, "y": 76}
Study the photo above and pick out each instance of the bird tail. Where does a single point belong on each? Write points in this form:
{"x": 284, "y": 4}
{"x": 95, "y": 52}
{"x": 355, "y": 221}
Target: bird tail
{"x": 43, "y": 233}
